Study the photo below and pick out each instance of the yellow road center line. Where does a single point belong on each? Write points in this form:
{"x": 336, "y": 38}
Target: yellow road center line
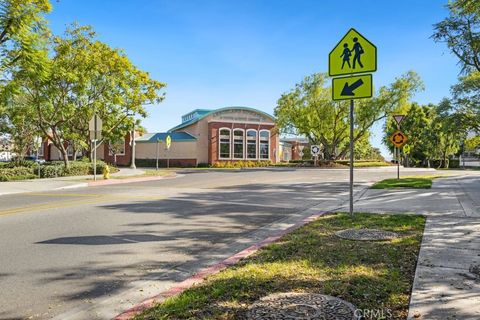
{"x": 65, "y": 194}
{"x": 72, "y": 203}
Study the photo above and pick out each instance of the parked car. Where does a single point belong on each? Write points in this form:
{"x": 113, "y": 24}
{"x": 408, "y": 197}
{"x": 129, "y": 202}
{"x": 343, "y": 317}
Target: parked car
{"x": 34, "y": 158}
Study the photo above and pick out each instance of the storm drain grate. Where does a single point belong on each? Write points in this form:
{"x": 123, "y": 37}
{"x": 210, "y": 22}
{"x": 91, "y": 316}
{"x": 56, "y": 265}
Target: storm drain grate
{"x": 301, "y": 306}
{"x": 366, "y": 234}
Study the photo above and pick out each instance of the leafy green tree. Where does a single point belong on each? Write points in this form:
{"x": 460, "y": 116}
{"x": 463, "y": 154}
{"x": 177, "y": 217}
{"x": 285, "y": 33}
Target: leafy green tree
{"x": 414, "y": 125}
{"x": 86, "y": 76}
{"x": 19, "y": 125}
{"x": 461, "y": 33}
{"x": 363, "y": 150}
{"x": 308, "y": 110}
{"x": 466, "y": 6}
{"x": 22, "y": 34}
{"x": 432, "y": 133}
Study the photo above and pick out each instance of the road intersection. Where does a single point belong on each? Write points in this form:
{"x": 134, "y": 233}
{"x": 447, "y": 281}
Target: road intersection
{"x": 94, "y": 252}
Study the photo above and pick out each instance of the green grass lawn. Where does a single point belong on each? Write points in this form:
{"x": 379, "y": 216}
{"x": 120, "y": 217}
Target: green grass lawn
{"x": 369, "y": 274}
{"x": 420, "y": 182}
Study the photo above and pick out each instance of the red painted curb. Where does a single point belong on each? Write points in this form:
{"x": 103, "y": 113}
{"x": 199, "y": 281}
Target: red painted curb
{"x": 122, "y": 181}
{"x": 203, "y": 273}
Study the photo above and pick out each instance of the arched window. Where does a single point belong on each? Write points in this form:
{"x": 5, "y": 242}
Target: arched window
{"x": 264, "y": 144}
{"x": 251, "y": 144}
{"x": 238, "y": 144}
{"x": 224, "y": 145}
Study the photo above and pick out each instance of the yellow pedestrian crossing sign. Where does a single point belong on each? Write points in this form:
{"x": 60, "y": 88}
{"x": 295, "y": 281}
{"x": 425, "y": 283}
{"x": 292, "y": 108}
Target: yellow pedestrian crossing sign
{"x": 355, "y": 87}
{"x": 168, "y": 141}
{"x": 353, "y": 54}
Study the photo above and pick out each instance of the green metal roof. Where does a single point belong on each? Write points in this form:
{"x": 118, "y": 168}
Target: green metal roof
{"x": 202, "y": 113}
{"x": 176, "y": 137}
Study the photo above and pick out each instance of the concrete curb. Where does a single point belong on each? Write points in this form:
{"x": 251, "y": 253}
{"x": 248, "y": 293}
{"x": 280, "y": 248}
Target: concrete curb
{"x": 128, "y": 180}
{"x": 73, "y": 186}
{"x": 200, "y": 276}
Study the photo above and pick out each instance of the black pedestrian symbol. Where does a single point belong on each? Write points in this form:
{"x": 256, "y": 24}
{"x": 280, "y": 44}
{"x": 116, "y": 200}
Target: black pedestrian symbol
{"x": 346, "y": 55}
{"x": 357, "y": 52}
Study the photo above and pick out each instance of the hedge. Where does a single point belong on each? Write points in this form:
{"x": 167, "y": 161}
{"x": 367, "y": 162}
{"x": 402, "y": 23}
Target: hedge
{"x": 18, "y": 173}
{"x": 77, "y": 168}
{"x": 51, "y": 170}
{"x": 241, "y": 164}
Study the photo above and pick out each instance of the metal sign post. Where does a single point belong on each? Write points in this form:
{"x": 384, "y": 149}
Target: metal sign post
{"x": 351, "y": 157}
{"x": 398, "y": 163}
{"x": 355, "y": 84}
{"x": 95, "y": 127}
{"x": 398, "y": 138}
{"x": 168, "y": 143}
{"x": 158, "y": 147}
{"x": 37, "y": 145}
{"x": 132, "y": 144}
{"x": 315, "y": 150}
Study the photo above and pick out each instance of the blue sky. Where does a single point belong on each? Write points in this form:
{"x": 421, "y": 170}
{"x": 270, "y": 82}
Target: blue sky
{"x": 219, "y": 53}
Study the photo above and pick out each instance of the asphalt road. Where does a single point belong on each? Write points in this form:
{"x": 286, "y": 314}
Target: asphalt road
{"x": 91, "y": 253}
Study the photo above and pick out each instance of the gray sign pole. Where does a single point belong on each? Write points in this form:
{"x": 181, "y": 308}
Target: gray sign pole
{"x": 158, "y": 142}
{"x": 95, "y": 147}
{"x": 132, "y": 165}
{"x": 351, "y": 157}
{"x": 398, "y": 155}
{"x": 398, "y": 163}
{"x": 168, "y": 158}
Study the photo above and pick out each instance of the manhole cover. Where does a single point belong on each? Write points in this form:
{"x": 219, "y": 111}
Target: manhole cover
{"x": 301, "y": 306}
{"x": 366, "y": 234}
{"x": 475, "y": 269}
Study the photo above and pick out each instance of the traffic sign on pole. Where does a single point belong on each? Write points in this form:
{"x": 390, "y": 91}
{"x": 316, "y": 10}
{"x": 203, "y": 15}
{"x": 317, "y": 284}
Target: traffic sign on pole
{"x": 398, "y": 138}
{"x": 168, "y": 142}
{"x": 353, "y": 54}
{"x": 406, "y": 149}
{"x": 314, "y": 150}
{"x": 355, "y": 87}
{"x": 398, "y": 118}
{"x": 95, "y": 127}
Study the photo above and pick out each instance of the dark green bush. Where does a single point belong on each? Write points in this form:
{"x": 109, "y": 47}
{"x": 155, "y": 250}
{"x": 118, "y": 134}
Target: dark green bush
{"x": 17, "y": 173}
{"x": 203, "y": 165}
{"x": 51, "y": 171}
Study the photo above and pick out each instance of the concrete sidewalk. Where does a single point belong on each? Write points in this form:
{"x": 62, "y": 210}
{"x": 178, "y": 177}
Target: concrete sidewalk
{"x": 447, "y": 279}
{"x": 41, "y": 185}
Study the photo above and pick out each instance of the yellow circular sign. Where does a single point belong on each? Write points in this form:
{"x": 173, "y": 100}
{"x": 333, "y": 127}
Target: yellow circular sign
{"x": 398, "y": 139}
{"x": 406, "y": 149}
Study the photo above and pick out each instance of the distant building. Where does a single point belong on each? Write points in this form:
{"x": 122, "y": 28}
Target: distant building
{"x": 295, "y": 147}
{"x": 6, "y": 148}
{"x": 203, "y": 137}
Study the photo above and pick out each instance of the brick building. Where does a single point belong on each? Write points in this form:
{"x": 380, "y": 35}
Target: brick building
{"x": 203, "y": 137}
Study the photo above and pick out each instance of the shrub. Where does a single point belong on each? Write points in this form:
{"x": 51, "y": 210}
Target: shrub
{"x": 51, "y": 171}
{"x": 203, "y": 165}
{"x": 17, "y": 173}
{"x": 241, "y": 164}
